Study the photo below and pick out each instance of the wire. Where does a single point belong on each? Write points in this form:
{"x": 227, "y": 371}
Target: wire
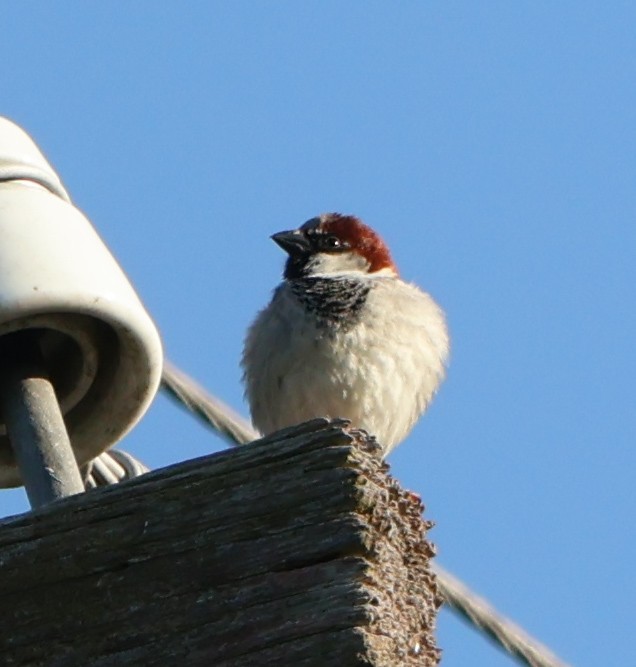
{"x": 483, "y": 617}
{"x": 112, "y": 467}
{"x": 228, "y": 424}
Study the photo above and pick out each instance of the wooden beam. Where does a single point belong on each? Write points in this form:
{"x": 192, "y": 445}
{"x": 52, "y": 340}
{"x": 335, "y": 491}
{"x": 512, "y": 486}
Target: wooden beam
{"x": 298, "y": 549}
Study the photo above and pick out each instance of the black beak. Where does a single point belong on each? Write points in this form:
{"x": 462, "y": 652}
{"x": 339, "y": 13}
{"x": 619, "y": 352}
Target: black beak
{"x": 293, "y": 242}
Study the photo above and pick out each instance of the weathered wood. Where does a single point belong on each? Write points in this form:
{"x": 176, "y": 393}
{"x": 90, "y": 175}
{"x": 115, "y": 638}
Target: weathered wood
{"x": 296, "y": 550}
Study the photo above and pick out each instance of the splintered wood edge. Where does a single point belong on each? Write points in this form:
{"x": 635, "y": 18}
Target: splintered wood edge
{"x": 404, "y": 597}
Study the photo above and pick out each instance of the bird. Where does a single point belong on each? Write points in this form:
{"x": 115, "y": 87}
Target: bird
{"x": 344, "y": 336}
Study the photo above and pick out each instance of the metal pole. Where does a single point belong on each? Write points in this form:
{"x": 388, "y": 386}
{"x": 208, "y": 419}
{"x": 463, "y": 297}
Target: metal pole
{"x": 34, "y": 422}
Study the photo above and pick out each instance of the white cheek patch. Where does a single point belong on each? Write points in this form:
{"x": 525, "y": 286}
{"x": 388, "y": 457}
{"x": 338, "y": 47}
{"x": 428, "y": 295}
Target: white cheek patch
{"x": 335, "y": 263}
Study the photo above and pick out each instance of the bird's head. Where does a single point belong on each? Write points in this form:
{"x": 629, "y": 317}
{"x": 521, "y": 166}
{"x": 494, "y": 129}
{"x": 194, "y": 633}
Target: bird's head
{"x": 334, "y": 244}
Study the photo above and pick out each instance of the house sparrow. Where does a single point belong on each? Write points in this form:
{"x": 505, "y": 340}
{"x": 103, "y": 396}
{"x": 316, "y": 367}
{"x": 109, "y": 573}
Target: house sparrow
{"x": 344, "y": 336}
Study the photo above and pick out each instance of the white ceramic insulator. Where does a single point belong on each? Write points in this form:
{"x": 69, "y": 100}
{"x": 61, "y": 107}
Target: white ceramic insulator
{"x": 102, "y": 349}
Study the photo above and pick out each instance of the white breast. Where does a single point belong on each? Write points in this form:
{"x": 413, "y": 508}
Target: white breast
{"x": 381, "y": 373}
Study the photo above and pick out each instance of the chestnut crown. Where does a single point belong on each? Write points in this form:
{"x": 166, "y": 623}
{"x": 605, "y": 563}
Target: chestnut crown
{"x": 334, "y": 244}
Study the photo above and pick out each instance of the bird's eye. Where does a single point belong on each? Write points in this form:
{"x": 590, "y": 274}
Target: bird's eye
{"x": 332, "y": 242}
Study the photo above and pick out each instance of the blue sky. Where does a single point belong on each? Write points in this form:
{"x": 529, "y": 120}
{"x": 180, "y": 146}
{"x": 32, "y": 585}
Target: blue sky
{"x": 493, "y": 146}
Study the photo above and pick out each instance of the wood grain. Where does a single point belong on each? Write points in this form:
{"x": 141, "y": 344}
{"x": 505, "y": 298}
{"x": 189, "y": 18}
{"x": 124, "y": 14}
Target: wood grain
{"x": 298, "y": 549}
